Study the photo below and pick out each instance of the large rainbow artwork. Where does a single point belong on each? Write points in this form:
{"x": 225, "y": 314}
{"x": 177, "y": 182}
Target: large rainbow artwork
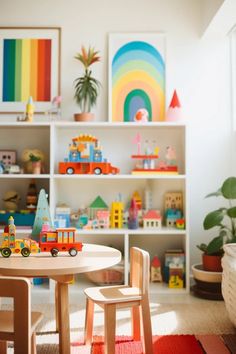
{"x": 26, "y": 70}
{"x": 138, "y": 81}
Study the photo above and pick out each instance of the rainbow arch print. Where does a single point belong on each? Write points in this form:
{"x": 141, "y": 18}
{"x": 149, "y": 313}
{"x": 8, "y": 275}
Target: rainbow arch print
{"x": 137, "y": 77}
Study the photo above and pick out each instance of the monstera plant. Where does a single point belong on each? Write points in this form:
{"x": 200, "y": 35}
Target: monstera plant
{"x": 223, "y": 219}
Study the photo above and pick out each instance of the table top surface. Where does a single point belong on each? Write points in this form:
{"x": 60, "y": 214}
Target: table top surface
{"x": 92, "y": 257}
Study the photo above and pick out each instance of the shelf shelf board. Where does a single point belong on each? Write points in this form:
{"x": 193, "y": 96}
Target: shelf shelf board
{"x": 162, "y": 288}
{"x": 141, "y": 232}
{"x": 67, "y": 124}
{"x": 21, "y": 230}
{"x": 23, "y": 175}
{"x": 25, "y": 124}
{"x": 121, "y": 176}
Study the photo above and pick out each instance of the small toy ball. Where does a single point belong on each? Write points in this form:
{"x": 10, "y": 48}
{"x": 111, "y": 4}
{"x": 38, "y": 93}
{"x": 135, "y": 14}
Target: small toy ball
{"x": 141, "y": 115}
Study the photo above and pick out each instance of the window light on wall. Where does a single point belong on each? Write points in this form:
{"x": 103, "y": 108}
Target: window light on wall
{"x": 232, "y": 37}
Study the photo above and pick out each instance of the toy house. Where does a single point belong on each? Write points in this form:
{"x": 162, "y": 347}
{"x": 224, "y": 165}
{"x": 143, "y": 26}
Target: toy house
{"x": 173, "y": 200}
{"x": 171, "y": 216}
{"x": 152, "y": 219}
{"x": 103, "y": 218}
{"x": 97, "y": 205}
{"x": 155, "y": 272}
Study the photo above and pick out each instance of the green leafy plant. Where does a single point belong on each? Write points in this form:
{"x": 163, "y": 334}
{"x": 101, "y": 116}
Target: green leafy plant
{"x": 224, "y": 218}
{"x": 87, "y": 87}
{"x": 34, "y": 158}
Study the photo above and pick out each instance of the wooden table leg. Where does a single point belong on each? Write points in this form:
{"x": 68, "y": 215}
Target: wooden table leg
{"x": 56, "y": 307}
{"x": 62, "y": 312}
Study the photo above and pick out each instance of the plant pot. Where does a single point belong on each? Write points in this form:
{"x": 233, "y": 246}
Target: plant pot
{"x": 36, "y": 167}
{"x": 83, "y": 117}
{"x": 211, "y": 263}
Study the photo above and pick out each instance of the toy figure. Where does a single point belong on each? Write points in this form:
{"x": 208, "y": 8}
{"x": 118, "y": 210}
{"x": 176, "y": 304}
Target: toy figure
{"x": 133, "y": 215}
{"x": 11, "y": 199}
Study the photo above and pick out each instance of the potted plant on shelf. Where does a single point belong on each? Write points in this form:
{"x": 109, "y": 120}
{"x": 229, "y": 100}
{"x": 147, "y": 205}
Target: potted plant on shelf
{"x": 86, "y": 86}
{"x": 36, "y": 163}
{"x": 225, "y": 219}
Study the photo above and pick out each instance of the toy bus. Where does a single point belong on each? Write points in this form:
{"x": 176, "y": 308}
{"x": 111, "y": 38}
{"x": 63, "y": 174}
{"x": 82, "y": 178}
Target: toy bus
{"x": 59, "y": 240}
{"x": 53, "y": 241}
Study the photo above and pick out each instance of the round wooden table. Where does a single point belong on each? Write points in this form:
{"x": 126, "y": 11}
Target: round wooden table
{"x": 61, "y": 269}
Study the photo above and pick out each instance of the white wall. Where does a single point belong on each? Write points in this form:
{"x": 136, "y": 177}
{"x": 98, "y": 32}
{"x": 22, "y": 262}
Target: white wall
{"x": 198, "y": 69}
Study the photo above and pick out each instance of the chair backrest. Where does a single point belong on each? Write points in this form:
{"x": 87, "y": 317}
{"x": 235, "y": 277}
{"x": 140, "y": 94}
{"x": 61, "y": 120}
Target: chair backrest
{"x": 19, "y": 290}
{"x": 139, "y": 269}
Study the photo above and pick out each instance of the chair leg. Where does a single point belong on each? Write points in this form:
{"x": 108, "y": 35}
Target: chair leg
{"x": 88, "y": 333}
{"x": 135, "y": 316}
{"x": 33, "y": 344}
{"x": 3, "y": 347}
{"x": 147, "y": 326}
{"x": 110, "y": 328}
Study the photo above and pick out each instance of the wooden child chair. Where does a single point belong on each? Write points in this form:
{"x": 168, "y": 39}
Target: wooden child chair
{"x": 18, "y": 325}
{"x": 112, "y": 297}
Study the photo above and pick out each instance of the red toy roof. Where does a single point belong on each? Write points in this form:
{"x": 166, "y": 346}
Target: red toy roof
{"x": 152, "y": 214}
{"x": 155, "y": 262}
{"x": 175, "y": 100}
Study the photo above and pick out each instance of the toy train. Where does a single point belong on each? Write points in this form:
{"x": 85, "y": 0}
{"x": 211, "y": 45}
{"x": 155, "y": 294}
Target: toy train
{"x": 53, "y": 241}
{"x": 85, "y": 157}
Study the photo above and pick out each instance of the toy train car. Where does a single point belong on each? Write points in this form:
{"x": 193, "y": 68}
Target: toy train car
{"x": 53, "y": 241}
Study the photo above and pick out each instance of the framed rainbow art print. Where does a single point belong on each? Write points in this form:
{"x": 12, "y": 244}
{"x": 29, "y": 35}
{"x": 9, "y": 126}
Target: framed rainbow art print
{"x": 29, "y": 67}
{"x": 136, "y": 77}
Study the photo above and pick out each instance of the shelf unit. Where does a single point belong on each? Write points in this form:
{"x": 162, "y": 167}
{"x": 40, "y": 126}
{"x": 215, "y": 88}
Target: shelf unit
{"x": 53, "y": 138}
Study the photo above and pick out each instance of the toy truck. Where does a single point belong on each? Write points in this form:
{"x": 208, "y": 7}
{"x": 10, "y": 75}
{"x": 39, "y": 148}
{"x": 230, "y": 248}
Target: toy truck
{"x": 85, "y": 157}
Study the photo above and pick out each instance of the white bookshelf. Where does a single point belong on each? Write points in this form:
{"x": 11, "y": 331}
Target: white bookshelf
{"x": 53, "y": 138}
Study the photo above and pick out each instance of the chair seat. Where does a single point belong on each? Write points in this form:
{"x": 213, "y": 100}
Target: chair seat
{"x": 7, "y": 325}
{"x": 113, "y": 294}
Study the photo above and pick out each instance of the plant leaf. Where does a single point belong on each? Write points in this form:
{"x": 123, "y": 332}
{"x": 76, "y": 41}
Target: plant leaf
{"x": 213, "y": 219}
{"x": 214, "y": 194}
{"x": 229, "y": 188}
{"x": 231, "y": 212}
{"x": 215, "y": 246}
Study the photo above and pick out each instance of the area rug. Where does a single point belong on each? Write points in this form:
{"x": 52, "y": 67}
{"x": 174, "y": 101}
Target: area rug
{"x": 168, "y": 344}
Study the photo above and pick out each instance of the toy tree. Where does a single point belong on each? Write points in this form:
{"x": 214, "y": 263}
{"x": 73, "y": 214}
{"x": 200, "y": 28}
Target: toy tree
{"x": 42, "y": 215}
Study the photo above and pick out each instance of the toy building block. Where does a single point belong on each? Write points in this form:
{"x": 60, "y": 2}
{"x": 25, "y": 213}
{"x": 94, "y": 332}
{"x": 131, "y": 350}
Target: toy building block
{"x": 176, "y": 276}
{"x": 116, "y": 219}
{"x": 173, "y": 200}
{"x": 176, "y": 258}
{"x": 180, "y": 224}
{"x": 133, "y": 222}
{"x": 138, "y": 200}
{"x": 152, "y": 219}
{"x": 103, "y": 217}
{"x": 85, "y": 157}
{"x": 155, "y": 273}
{"x": 62, "y": 215}
{"x": 171, "y": 216}
{"x": 174, "y": 112}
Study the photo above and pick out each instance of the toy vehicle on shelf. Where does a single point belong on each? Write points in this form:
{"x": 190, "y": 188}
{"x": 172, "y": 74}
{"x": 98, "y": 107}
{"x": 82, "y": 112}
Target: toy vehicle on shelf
{"x": 53, "y": 241}
{"x": 85, "y": 157}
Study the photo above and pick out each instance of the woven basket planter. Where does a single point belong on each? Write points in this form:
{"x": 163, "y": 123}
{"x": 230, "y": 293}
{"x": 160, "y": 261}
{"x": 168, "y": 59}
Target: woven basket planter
{"x": 229, "y": 280}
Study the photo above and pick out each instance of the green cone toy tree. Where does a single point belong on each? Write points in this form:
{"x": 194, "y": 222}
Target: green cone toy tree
{"x": 42, "y": 215}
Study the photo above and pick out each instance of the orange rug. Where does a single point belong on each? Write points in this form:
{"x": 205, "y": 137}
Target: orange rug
{"x": 171, "y": 344}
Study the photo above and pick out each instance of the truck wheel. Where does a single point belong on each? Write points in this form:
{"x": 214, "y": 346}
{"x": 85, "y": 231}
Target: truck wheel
{"x": 73, "y": 252}
{"x": 97, "y": 171}
{"x": 25, "y": 252}
{"x": 70, "y": 171}
{"x": 54, "y": 252}
{"x": 6, "y": 252}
